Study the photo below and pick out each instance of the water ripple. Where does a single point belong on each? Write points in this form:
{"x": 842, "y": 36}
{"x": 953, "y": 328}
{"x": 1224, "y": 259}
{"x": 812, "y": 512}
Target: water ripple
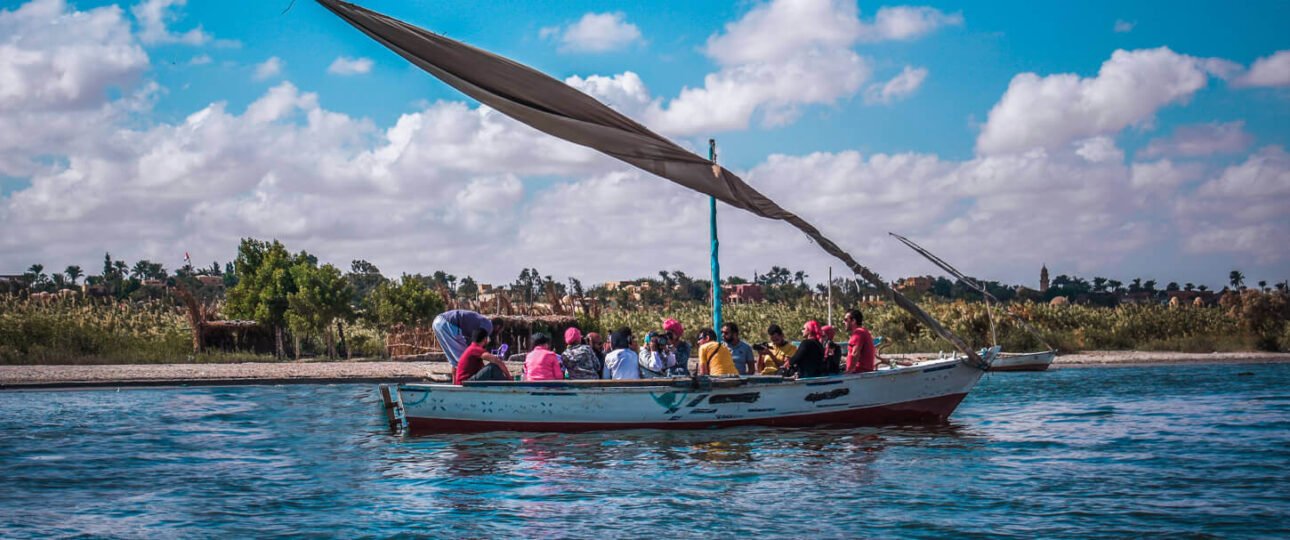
{"x": 1165, "y": 451}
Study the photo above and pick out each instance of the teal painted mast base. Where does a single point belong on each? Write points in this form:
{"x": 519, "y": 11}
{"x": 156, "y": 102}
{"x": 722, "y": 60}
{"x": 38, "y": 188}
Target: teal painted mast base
{"x": 716, "y": 262}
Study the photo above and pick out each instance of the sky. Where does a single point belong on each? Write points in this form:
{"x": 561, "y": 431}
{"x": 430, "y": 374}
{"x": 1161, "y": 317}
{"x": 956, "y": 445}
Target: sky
{"x": 1116, "y": 139}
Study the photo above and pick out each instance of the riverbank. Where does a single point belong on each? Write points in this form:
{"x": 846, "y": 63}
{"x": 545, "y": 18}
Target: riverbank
{"x": 1138, "y": 358}
{"x": 130, "y": 375}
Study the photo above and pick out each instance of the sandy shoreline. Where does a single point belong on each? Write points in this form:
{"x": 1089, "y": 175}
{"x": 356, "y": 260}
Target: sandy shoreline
{"x": 127, "y": 375}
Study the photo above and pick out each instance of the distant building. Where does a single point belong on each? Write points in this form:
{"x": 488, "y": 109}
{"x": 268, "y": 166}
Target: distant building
{"x": 743, "y": 293}
{"x": 1043, "y": 279}
{"x": 920, "y": 284}
{"x": 212, "y": 281}
{"x": 1141, "y": 297}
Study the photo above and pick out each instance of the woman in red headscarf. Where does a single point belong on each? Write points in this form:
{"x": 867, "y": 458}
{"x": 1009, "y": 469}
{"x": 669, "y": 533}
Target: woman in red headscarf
{"x": 808, "y": 361}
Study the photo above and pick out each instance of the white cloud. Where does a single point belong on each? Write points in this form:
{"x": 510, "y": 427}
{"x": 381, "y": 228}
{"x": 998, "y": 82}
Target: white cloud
{"x": 899, "y": 87}
{"x": 1271, "y": 70}
{"x": 625, "y": 92}
{"x": 595, "y": 33}
{"x": 777, "y": 58}
{"x": 452, "y": 186}
{"x": 1162, "y": 177}
{"x": 269, "y": 68}
{"x": 1201, "y": 140}
{"x": 1242, "y": 212}
{"x": 907, "y": 22}
{"x": 784, "y": 55}
{"x": 58, "y": 70}
{"x": 200, "y": 60}
{"x": 1122, "y": 26}
{"x": 1099, "y": 150}
{"x": 1051, "y": 111}
{"x": 441, "y": 180}
{"x": 350, "y": 66}
{"x": 730, "y": 98}
{"x": 56, "y": 59}
{"x": 153, "y": 15}
{"x": 781, "y": 30}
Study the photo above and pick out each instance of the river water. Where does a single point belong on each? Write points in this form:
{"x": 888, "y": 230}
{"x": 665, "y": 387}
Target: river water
{"x": 1113, "y": 452}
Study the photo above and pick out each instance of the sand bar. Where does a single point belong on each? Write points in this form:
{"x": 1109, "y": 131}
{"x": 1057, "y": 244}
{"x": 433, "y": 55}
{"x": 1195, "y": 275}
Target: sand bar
{"x": 126, "y": 375}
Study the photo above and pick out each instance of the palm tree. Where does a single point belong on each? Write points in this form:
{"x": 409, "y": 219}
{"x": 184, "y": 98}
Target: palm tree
{"x": 1236, "y": 278}
{"x": 1263, "y": 285}
{"x": 800, "y": 276}
{"x": 1189, "y": 287}
{"x": 140, "y": 270}
{"x": 73, "y": 273}
{"x": 36, "y": 276}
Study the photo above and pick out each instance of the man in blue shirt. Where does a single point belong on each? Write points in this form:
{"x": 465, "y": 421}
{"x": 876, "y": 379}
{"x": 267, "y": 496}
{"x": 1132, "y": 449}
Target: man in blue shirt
{"x": 740, "y": 351}
{"x": 453, "y": 328}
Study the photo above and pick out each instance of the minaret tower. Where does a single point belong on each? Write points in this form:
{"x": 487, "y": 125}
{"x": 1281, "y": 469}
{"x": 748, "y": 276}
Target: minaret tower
{"x": 1043, "y": 279}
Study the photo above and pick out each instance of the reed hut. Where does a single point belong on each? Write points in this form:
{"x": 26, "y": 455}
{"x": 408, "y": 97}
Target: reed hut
{"x": 514, "y": 330}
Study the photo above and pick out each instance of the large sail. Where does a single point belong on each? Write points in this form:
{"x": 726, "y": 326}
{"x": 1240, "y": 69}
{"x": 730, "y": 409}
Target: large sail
{"x": 560, "y": 110}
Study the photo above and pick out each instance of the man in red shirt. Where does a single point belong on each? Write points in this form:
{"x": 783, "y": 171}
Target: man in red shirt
{"x": 471, "y": 365}
{"x": 860, "y": 351}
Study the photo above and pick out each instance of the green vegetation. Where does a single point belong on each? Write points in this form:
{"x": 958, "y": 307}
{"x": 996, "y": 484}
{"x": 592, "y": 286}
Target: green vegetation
{"x": 1069, "y": 328}
{"x": 140, "y": 313}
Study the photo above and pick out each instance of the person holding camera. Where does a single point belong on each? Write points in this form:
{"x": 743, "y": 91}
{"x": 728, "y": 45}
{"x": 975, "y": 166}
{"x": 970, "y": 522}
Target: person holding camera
{"x": 658, "y": 355}
{"x": 773, "y": 356}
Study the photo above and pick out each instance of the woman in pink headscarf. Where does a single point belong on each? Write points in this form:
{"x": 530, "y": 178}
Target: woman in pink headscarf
{"x": 579, "y": 360}
{"x": 808, "y": 361}
{"x": 679, "y": 346}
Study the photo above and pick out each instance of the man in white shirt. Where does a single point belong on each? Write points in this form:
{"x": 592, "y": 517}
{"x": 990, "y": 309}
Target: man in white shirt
{"x": 622, "y": 362}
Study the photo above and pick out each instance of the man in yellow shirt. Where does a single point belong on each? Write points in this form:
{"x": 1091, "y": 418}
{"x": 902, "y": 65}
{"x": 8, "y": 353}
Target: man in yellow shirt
{"x": 714, "y": 356}
{"x": 772, "y": 358}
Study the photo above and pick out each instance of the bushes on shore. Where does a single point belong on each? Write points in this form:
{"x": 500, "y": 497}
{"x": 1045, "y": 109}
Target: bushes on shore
{"x": 78, "y": 330}
{"x": 1068, "y": 328}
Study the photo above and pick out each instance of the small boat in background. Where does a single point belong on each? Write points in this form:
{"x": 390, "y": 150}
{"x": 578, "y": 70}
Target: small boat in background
{"x": 1033, "y": 361}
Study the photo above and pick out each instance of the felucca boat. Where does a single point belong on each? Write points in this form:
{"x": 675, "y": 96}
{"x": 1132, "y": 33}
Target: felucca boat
{"x": 926, "y": 392}
{"x": 1029, "y": 361}
{"x": 1032, "y": 361}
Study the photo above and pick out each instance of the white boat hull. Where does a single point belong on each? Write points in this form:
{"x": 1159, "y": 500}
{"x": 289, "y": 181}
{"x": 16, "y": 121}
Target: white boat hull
{"x": 918, "y": 394}
{"x": 1035, "y": 361}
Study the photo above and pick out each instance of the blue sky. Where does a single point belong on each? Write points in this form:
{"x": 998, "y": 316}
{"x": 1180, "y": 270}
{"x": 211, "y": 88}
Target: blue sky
{"x": 1151, "y": 142}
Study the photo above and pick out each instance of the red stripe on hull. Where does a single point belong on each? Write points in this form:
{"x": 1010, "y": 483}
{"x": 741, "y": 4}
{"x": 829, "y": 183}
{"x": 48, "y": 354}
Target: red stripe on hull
{"x": 923, "y": 411}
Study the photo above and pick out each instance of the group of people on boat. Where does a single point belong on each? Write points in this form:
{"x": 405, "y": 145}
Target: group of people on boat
{"x": 464, "y": 336}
